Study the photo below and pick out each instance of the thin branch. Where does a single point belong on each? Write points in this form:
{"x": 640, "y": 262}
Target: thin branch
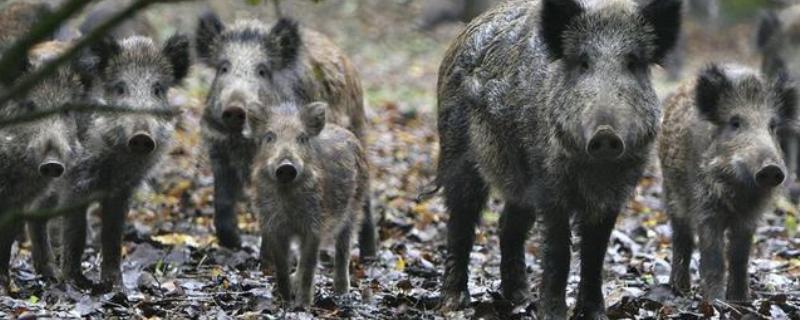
{"x": 29, "y": 81}
{"x": 38, "y": 33}
{"x": 90, "y": 108}
{"x": 7, "y": 218}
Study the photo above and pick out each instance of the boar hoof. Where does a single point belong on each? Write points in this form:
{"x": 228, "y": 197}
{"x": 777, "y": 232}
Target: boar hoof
{"x": 591, "y": 315}
{"x": 82, "y": 282}
{"x": 229, "y": 238}
{"x": 453, "y": 300}
{"x": 517, "y": 296}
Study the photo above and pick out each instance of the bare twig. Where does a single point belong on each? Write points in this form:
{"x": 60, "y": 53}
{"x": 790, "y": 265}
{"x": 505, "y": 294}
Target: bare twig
{"x": 39, "y": 32}
{"x": 29, "y": 81}
{"x": 7, "y": 218}
{"x": 90, "y": 108}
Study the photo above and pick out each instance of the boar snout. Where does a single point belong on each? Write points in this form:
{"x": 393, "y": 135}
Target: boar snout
{"x": 605, "y": 144}
{"x": 234, "y": 116}
{"x": 770, "y": 176}
{"x": 142, "y": 143}
{"x": 286, "y": 172}
{"x": 51, "y": 168}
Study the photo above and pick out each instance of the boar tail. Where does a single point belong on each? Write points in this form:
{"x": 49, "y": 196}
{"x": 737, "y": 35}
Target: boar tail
{"x": 429, "y": 191}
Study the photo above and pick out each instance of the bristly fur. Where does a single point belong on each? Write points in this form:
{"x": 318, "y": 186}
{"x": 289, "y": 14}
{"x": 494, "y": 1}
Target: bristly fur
{"x": 209, "y": 28}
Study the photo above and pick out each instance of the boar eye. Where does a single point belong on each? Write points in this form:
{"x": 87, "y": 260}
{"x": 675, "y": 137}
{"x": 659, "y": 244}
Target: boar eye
{"x": 262, "y": 71}
{"x": 269, "y": 137}
{"x": 634, "y": 63}
{"x": 28, "y": 105}
{"x": 735, "y": 122}
{"x": 119, "y": 88}
{"x": 584, "y": 63}
{"x": 773, "y": 125}
{"x": 224, "y": 67}
{"x": 159, "y": 91}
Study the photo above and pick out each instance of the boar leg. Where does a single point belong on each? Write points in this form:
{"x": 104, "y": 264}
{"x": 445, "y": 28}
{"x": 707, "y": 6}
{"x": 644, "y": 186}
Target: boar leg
{"x": 366, "y": 236}
{"x": 682, "y": 247}
{"x": 309, "y": 252}
{"x": 712, "y": 262}
{"x": 227, "y": 188}
{"x": 8, "y": 234}
{"x": 556, "y": 257}
{"x": 114, "y": 211}
{"x": 594, "y": 244}
{"x": 341, "y": 278}
{"x": 740, "y": 239}
{"x": 74, "y": 243}
{"x": 42, "y": 250}
{"x": 465, "y": 195}
{"x": 515, "y": 222}
{"x": 278, "y": 249}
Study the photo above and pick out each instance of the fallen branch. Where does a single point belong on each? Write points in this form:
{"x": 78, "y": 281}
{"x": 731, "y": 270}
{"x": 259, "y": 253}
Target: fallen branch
{"x": 89, "y": 108}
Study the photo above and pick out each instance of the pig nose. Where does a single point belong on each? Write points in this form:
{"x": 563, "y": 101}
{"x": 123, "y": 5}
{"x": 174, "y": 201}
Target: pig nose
{"x": 234, "y": 117}
{"x": 142, "y": 143}
{"x": 770, "y": 176}
{"x": 51, "y": 169}
{"x": 286, "y": 173}
{"x": 605, "y": 144}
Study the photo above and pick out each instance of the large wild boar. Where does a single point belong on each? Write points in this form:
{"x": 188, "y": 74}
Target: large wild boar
{"x": 258, "y": 67}
{"x": 119, "y": 149}
{"x": 550, "y": 103}
{"x": 34, "y": 154}
{"x": 722, "y": 164}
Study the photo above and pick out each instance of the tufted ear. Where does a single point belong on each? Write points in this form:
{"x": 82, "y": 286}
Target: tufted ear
{"x": 768, "y": 26}
{"x": 313, "y": 117}
{"x": 103, "y": 51}
{"x": 711, "y": 85}
{"x": 176, "y": 49}
{"x": 209, "y": 29}
{"x": 283, "y": 43}
{"x": 664, "y": 16}
{"x": 556, "y": 16}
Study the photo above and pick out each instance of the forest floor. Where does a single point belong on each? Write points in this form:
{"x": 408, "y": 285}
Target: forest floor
{"x": 173, "y": 267}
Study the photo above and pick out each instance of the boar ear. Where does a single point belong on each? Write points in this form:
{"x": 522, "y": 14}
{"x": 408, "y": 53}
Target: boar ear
{"x": 711, "y": 84}
{"x": 103, "y": 51}
{"x": 555, "y": 17}
{"x": 313, "y": 117}
{"x": 769, "y": 24}
{"x": 283, "y": 43}
{"x": 176, "y": 49}
{"x": 209, "y": 29}
{"x": 786, "y": 93}
{"x": 664, "y": 16}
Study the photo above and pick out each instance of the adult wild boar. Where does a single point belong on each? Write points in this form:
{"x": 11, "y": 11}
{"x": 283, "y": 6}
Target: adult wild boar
{"x": 550, "y": 103}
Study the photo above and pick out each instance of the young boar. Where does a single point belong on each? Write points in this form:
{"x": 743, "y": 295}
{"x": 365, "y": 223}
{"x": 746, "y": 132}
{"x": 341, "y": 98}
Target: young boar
{"x": 33, "y": 154}
{"x": 776, "y": 40}
{"x": 722, "y": 163}
{"x": 310, "y": 179}
{"x": 258, "y": 67}
{"x": 550, "y": 103}
{"x": 118, "y": 149}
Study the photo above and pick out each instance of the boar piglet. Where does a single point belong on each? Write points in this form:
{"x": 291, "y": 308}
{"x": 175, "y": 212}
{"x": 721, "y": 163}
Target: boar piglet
{"x": 258, "y": 66}
{"x": 310, "y": 180}
{"x": 722, "y": 164}
{"x": 549, "y": 103}
{"x": 34, "y": 154}
{"x": 119, "y": 149}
